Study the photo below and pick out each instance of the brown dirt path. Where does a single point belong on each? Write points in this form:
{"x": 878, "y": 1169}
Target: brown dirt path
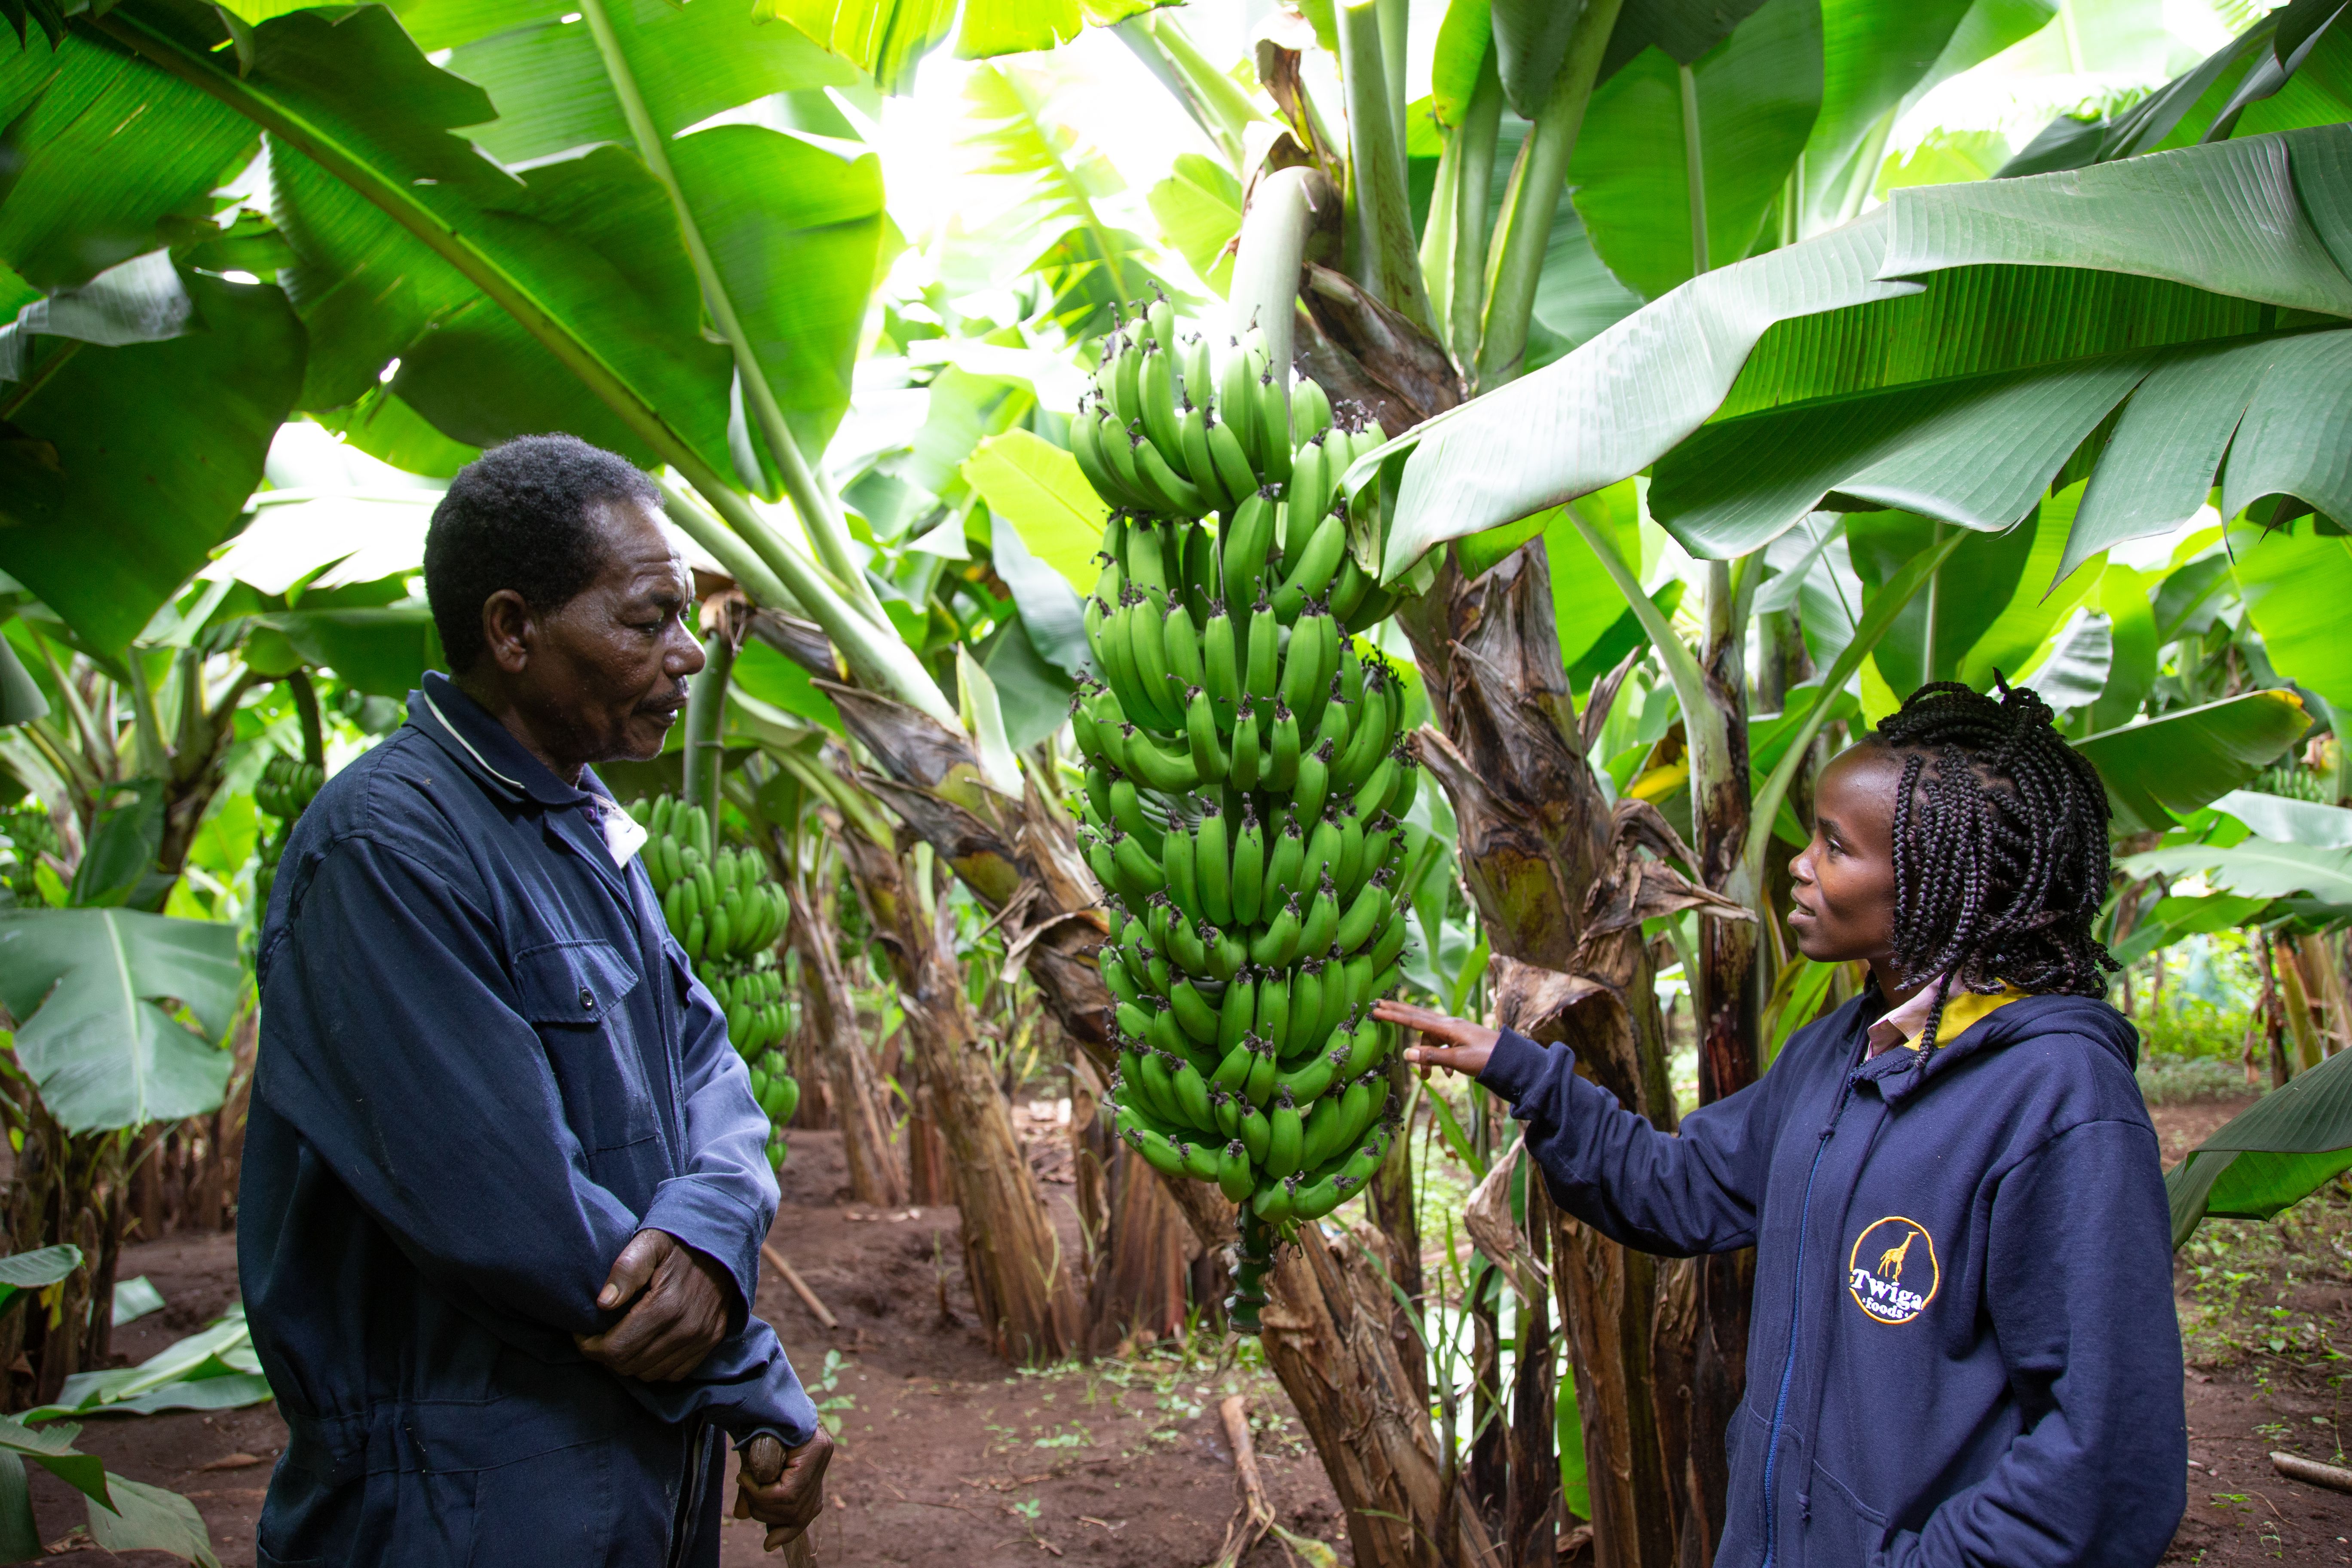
{"x": 948, "y": 1456}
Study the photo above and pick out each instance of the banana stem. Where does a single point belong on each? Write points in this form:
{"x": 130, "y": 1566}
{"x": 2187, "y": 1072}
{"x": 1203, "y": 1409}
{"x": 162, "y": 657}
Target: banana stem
{"x": 730, "y": 550}
{"x": 1388, "y": 261}
{"x": 306, "y": 709}
{"x": 1216, "y": 102}
{"x": 706, "y": 708}
{"x": 1272, "y": 251}
{"x": 810, "y": 497}
{"x": 1702, "y": 726}
{"x": 1693, "y": 168}
{"x": 1538, "y": 182}
{"x": 1474, "y": 137}
{"x": 1395, "y": 23}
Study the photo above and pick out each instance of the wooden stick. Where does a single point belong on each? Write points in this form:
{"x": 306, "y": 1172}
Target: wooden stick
{"x": 1249, "y": 1524}
{"x": 2312, "y": 1472}
{"x": 763, "y": 1463}
{"x": 800, "y": 1286}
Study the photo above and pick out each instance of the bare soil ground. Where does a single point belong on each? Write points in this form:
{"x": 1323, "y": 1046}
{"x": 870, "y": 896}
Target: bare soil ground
{"x": 948, "y": 1456}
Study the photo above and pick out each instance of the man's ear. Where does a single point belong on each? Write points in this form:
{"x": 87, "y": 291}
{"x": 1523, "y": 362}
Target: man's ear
{"x": 510, "y": 630}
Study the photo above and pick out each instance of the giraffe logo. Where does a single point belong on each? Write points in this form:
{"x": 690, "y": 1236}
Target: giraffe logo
{"x": 1890, "y": 1281}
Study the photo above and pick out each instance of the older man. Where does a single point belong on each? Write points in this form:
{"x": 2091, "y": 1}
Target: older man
{"x": 504, "y": 1185}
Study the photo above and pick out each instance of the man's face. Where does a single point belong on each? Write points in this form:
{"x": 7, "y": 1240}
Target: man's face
{"x": 604, "y": 676}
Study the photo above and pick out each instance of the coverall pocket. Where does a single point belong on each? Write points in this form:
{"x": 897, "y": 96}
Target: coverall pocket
{"x": 571, "y": 993}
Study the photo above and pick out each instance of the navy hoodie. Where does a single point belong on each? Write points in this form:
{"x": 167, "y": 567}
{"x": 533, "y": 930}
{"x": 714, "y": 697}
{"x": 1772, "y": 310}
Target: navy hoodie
{"x": 1962, "y": 1347}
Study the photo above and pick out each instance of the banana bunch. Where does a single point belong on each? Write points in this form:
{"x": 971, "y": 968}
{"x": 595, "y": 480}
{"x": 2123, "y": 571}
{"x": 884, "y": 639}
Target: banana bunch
{"x": 1245, "y": 790}
{"x": 727, "y": 915}
{"x": 284, "y": 790}
{"x": 718, "y": 902}
{"x": 1169, "y": 433}
{"x": 287, "y": 785}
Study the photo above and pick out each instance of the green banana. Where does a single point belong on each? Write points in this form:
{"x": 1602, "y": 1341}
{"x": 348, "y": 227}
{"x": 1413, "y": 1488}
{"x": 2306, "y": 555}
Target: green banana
{"x": 1156, "y": 387}
{"x": 1319, "y": 563}
{"x": 1209, "y": 759}
{"x": 1199, "y": 463}
{"x": 1194, "y": 1012}
{"x": 1248, "y": 868}
{"x": 1213, "y": 865}
{"x": 1246, "y": 762}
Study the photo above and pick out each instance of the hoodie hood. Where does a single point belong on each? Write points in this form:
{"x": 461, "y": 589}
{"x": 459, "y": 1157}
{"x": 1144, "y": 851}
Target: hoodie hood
{"x": 1900, "y": 1076}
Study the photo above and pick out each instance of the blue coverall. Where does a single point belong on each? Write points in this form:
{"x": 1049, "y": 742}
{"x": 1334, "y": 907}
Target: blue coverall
{"x": 484, "y": 1066}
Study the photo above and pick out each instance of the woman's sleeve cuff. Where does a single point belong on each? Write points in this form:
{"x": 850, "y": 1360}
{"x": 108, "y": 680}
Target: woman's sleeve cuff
{"x": 1518, "y": 1065}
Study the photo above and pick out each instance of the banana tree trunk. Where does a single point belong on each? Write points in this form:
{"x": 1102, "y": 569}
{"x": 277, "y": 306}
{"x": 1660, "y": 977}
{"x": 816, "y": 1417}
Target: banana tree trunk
{"x": 877, "y": 1176}
{"x": 1329, "y": 1340}
{"x": 1562, "y": 895}
{"x": 1019, "y": 1280}
{"x": 1710, "y": 1346}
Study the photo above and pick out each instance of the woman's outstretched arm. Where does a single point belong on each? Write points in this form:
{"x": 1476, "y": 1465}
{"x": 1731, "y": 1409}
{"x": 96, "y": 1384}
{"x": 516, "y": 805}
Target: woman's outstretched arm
{"x": 1696, "y": 1190}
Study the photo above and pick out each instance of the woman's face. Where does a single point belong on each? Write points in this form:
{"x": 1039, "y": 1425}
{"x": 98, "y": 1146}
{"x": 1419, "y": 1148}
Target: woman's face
{"x": 1842, "y": 907}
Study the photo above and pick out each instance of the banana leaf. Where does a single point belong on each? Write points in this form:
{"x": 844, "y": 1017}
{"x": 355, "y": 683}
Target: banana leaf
{"x": 1677, "y": 165}
{"x": 2256, "y": 867}
{"x": 44, "y": 1265}
{"x": 2297, "y": 583}
{"x": 2273, "y": 1155}
{"x": 2171, "y": 766}
{"x": 2178, "y": 917}
{"x": 1946, "y": 355}
{"x": 114, "y": 482}
{"x": 96, "y": 1038}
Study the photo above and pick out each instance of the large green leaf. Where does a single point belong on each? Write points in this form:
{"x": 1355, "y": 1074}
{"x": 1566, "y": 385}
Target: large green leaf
{"x": 119, "y": 480}
{"x": 2297, "y": 586}
{"x": 1968, "y": 593}
{"x": 549, "y": 85}
{"x": 1046, "y": 528}
{"x": 96, "y": 1040}
{"x": 1729, "y": 125}
{"x": 2274, "y": 1153}
{"x": 885, "y": 38}
{"x": 2287, "y": 820}
{"x": 1056, "y": 229}
{"x": 381, "y": 651}
{"x": 103, "y": 163}
{"x": 793, "y": 225}
{"x": 1613, "y": 406}
{"x": 563, "y": 302}
{"x": 1198, "y": 210}
{"x": 2177, "y": 917}
{"x": 2173, "y": 765}
{"x": 2256, "y": 867}
{"x": 43, "y": 1266}
{"x": 1878, "y": 58}
{"x": 1037, "y": 488}
{"x": 2052, "y": 299}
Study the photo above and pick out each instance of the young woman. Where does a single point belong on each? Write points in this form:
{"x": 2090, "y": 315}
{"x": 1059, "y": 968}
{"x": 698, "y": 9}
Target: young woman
{"x": 1962, "y": 1347}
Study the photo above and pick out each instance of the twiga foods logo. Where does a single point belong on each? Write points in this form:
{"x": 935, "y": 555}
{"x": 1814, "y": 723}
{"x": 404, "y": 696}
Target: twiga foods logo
{"x": 1893, "y": 1273}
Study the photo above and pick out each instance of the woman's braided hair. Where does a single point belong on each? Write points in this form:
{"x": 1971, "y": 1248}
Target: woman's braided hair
{"x": 2001, "y": 848}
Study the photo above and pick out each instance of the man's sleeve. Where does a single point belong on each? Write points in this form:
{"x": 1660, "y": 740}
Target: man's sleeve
{"x": 2079, "y": 1283}
{"x": 1697, "y": 1191}
{"x": 396, "y": 1051}
{"x": 724, "y": 1203}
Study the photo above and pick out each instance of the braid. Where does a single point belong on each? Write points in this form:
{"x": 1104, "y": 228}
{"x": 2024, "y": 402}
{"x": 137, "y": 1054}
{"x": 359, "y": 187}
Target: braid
{"x": 2000, "y": 850}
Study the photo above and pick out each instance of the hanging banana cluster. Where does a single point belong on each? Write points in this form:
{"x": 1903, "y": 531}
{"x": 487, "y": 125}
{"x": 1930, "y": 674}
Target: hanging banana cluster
{"x": 285, "y": 788}
{"x": 727, "y": 915}
{"x": 287, "y": 785}
{"x": 1245, "y": 791}
{"x": 718, "y": 902}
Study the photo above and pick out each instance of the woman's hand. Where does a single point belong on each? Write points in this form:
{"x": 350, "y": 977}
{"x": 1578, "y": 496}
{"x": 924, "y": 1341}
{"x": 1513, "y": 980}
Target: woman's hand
{"x": 1466, "y": 1045}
